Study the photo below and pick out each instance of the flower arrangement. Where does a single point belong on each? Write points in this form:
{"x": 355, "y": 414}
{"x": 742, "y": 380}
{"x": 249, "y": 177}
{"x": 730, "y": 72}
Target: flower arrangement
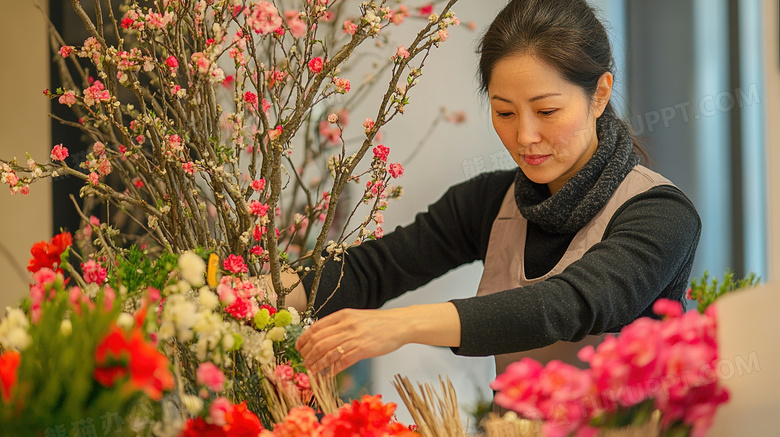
{"x": 219, "y": 129}
{"x": 666, "y": 365}
{"x": 150, "y": 348}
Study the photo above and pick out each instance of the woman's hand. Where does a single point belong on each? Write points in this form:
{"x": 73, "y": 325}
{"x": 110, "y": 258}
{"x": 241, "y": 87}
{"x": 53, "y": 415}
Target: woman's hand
{"x": 348, "y": 336}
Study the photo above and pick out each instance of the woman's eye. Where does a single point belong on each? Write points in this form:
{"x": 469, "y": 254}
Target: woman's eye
{"x": 548, "y": 112}
{"x": 503, "y": 114}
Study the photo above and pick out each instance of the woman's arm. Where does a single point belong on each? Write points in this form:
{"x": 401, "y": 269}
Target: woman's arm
{"x": 348, "y": 336}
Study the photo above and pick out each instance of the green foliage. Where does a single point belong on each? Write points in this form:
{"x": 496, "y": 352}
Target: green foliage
{"x": 137, "y": 271}
{"x": 706, "y": 292}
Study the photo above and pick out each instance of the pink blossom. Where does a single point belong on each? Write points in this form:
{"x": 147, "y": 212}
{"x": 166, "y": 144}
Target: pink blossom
{"x": 369, "y": 124}
{"x": 93, "y": 272}
{"x": 251, "y": 98}
{"x": 104, "y": 167}
{"x": 201, "y": 62}
{"x": 443, "y": 35}
{"x": 188, "y": 167}
{"x": 235, "y": 264}
{"x": 264, "y": 18}
{"x": 379, "y": 232}
{"x": 209, "y": 375}
{"x": 96, "y": 93}
{"x": 98, "y": 148}
{"x": 350, "y": 27}
{"x": 66, "y": 51}
{"x": 256, "y": 250}
{"x": 266, "y": 105}
{"x": 381, "y": 152}
{"x": 242, "y": 309}
{"x": 331, "y": 134}
{"x": 426, "y": 10}
{"x": 274, "y": 133}
{"x": 175, "y": 90}
{"x": 11, "y": 178}
{"x": 401, "y": 53}
{"x": 59, "y": 153}
{"x": 258, "y": 184}
{"x": 69, "y": 98}
{"x": 396, "y": 170}
{"x": 296, "y": 25}
{"x": 93, "y": 178}
{"x": 316, "y": 65}
{"x": 258, "y": 209}
{"x": 258, "y": 232}
{"x": 333, "y": 118}
{"x": 284, "y": 373}
{"x": 342, "y": 85}
{"x": 379, "y": 218}
{"x": 25, "y": 190}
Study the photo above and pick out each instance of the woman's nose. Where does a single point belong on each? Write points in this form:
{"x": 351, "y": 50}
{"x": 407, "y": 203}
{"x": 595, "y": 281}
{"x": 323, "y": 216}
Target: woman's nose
{"x": 527, "y": 130}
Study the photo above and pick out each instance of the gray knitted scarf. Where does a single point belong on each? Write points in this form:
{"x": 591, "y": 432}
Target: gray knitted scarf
{"x": 582, "y": 196}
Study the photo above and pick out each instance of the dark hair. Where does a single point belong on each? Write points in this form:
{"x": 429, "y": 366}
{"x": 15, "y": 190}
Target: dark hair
{"x": 565, "y": 34}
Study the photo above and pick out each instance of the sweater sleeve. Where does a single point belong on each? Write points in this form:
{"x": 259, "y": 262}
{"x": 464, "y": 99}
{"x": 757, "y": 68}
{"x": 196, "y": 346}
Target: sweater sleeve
{"x": 646, "y": 253}
{"x": 454, "y": 231}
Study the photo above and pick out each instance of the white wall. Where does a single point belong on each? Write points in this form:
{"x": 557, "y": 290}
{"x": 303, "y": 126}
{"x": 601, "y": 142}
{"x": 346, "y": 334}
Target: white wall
{"x": 24, "y": 127}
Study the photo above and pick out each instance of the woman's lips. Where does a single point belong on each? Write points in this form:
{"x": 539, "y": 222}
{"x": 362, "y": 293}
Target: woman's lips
{"x": 535, "y": 159}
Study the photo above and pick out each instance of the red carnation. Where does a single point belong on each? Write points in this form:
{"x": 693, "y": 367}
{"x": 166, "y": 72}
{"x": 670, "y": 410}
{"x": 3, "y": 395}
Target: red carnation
{"x": 9, "y": 363}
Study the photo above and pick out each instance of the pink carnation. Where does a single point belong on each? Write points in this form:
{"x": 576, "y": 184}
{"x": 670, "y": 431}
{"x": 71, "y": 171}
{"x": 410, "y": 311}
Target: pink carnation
{"x": 242, "y": 309}
{"x": 172, "y": 62}
{"x": 94, "y": 273}
{"x": 209, "y": 375}
{"x": 93, "y": 178}
{"x": 235, "y": 264}
{"x": 396, "y": 170}
{"x": 218, "y": 410}
{"x": 284, "y": 373}
{"x": 302, "y": 381}
{"x": 59, "y": 153}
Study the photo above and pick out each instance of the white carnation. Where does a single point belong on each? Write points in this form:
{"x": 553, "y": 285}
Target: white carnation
{"x": 276, "y": 334}
{"x": 192, "y": 268}
{"x": 125, "y": 321}
{"x": 208, "y": 299}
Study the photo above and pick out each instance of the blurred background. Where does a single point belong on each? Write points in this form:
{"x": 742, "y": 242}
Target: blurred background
{"x": 699, "y": 80}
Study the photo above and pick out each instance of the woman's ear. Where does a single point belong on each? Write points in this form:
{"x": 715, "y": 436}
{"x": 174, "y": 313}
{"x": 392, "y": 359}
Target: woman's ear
{"x": 602, "y": 94}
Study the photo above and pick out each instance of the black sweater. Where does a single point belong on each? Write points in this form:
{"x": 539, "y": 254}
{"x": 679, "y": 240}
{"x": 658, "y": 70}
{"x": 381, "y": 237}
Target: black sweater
{"x": 646, "y": 253}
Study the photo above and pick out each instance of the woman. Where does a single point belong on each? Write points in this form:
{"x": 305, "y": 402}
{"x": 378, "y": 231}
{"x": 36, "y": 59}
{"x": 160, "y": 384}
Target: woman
{"x": 578, "y": 241}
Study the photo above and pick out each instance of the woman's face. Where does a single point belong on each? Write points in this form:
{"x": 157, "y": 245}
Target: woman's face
{"x": 546, "y": 123}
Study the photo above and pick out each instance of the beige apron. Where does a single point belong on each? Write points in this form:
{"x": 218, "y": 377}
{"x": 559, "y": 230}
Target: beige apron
{"x": 504, "y": 262}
